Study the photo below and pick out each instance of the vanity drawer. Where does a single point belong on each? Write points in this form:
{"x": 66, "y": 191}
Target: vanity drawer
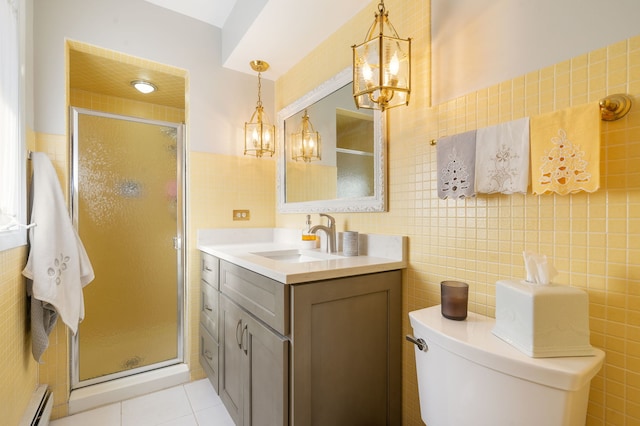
{"x": 209, "y": 308}
{"x": 263, "y": 297}
{"x": 209, "y": 356}
{"x": 209, "y": 269}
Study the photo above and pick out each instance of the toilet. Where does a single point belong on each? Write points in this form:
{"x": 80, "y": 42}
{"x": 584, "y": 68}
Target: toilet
{"x": 468, "y": 376}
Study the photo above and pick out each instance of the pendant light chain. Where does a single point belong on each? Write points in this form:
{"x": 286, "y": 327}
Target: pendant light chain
{"x": 259, "y": 90}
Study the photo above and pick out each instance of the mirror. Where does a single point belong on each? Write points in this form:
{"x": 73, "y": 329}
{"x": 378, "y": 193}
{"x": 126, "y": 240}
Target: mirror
{"x": 351, "y": 174}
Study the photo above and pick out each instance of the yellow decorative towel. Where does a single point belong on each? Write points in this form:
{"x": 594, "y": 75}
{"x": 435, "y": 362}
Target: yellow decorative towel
{"x": 565, "y": 150}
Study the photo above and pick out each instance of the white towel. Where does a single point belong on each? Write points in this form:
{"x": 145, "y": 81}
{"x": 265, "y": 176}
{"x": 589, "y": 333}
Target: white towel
{"x": 456, "y": 157}
{"x": 502, "y": 158}
{"x": 58, "y": 264}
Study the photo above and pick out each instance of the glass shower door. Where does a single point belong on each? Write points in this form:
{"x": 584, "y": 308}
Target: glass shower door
{"x": 127, "y": 206}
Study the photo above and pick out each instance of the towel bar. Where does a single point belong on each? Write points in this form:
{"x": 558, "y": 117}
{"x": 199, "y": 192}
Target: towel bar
{"x": 612, "y": 107}
{"x": 615, "y": 106}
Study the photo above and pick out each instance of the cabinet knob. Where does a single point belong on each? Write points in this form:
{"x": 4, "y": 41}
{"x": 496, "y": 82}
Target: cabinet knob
{"x": 420, "y": 343}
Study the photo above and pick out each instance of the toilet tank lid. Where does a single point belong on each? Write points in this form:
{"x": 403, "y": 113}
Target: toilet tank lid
{"x": 473, "y": 339}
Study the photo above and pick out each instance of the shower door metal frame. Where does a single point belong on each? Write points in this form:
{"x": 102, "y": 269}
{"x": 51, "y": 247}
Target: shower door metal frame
{"x": 179, "y": 240}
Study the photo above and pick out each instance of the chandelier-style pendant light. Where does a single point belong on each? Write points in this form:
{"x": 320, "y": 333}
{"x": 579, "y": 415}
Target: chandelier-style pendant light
{"x": 306, "y": 143}
{"x": 382, "y": 66}
{"x": 259, "y": 133}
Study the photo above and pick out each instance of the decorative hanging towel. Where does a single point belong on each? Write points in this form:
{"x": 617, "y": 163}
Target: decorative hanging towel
{"x": 565, "y": 150}
{"x": 502, "y": 158}
{"x": 57, "y": 264}
{"x": 456, "y": 157}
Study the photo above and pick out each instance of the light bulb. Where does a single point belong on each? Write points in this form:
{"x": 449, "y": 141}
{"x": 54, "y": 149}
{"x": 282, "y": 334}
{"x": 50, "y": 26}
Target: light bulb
{"x": 367, "y": 72}
{"x": 394, "y": 64}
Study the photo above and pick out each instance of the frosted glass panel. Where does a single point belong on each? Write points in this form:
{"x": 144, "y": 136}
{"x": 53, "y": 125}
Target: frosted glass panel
{"x": 127, "y": 218}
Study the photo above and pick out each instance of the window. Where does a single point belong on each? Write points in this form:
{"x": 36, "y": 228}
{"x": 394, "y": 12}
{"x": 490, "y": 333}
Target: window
{"x": 12, "y": 139}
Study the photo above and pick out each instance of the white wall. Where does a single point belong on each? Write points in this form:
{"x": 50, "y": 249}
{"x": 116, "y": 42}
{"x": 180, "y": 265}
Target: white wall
{"x": 479, "y": 43}
{"x": 220, "y": 100}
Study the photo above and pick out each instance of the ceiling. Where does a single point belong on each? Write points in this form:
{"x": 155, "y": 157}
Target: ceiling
{"x": 93, "y": 73}
{"x": 281, "y": 32}
{"x": 276, "y": 31}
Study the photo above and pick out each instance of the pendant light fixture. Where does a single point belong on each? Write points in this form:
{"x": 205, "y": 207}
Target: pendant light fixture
{"x": 382, "y": 66}
{"x": 259, "y": 133}
{"x": 306, "y": 143}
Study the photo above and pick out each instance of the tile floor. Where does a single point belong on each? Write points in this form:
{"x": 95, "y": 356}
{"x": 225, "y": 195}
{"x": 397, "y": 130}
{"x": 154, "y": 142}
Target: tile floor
{"x": 191, "y": 404}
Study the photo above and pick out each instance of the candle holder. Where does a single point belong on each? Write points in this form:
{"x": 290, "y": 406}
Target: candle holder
{"x": 454, "y": 296}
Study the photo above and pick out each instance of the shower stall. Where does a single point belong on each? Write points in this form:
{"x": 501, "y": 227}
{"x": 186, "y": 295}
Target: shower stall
{"x": 127, "y": 205}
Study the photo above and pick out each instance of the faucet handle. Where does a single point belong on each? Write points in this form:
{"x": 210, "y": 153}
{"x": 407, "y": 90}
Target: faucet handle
{"x": 331, "y": 220}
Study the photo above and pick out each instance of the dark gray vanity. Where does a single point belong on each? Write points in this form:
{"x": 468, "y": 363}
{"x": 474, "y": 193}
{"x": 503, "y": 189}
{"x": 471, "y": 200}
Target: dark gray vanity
{"x": 324, "y": 350}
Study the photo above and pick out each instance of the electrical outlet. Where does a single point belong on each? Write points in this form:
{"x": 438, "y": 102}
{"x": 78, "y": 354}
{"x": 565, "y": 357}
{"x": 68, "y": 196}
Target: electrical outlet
{"x": 241, "y": 215}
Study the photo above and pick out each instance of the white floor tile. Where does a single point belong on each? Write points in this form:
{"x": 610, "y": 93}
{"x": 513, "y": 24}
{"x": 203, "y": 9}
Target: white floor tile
{"x": 214, "y": 416}
{"x": 202, "y": 395}
{"x": 108, "y": 415}
{"x": 192, "y": 404}
{"x": 189, "y": 420}
{"x": 156, "y": 408}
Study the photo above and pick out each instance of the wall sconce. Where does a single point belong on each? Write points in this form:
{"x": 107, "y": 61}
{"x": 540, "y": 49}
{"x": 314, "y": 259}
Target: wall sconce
{"x": 382, "y": 66}
{"x": 259, "y": 133}
{"x": 306, "y": 143}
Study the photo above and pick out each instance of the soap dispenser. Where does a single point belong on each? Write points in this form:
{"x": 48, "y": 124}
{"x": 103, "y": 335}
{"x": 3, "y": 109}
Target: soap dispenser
{"x": 308, "y": 237}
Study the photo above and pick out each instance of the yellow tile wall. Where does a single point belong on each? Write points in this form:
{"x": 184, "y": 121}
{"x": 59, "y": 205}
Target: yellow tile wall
{"x": 18, "y": 370}
{"x": 218, "y": 184}
{"x": 593, "y": 239}
{"x": 115, "y": 105}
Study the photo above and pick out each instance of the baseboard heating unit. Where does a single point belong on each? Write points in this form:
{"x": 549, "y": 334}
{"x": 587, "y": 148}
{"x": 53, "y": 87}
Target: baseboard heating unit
{"x": 38, "y": 411}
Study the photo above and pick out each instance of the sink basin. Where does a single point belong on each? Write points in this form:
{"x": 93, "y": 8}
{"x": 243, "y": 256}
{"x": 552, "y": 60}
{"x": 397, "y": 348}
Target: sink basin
{"x": 297, "y": 256}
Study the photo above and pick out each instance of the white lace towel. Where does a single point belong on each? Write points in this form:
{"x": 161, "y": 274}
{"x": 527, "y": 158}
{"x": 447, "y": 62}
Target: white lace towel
{"x": 456, "y": 165}
{"x": 58, "y": 264}
{"x": 502, "y": 158}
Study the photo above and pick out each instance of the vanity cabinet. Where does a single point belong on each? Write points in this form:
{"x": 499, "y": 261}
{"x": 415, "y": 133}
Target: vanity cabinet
{"x": 326, "y": 352}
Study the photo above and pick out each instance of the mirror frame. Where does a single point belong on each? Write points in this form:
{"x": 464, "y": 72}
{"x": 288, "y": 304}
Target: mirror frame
{"x": 375, "y": 203}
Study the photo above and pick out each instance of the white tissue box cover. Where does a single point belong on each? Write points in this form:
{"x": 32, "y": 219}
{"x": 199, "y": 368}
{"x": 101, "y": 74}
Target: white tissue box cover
{"x": 543, "y": 320}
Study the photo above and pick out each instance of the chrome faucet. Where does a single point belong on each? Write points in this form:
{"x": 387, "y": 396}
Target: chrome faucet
{"x": 329, "y": 230}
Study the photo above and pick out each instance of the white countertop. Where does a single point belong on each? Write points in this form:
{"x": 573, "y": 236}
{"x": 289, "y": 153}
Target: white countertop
{"x": 379, "y": 253}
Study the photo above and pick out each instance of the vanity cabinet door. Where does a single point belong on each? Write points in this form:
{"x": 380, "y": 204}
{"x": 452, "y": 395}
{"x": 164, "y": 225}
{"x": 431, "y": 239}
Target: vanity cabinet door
{"x": 231, "y": 358}
{"x": 254, "y": 378}
{"x": 266, "y": 369}
{"x": 346, "y": 342}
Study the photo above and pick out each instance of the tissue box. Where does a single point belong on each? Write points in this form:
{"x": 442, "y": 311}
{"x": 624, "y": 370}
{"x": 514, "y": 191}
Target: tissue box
{"x": 543, "y": 320}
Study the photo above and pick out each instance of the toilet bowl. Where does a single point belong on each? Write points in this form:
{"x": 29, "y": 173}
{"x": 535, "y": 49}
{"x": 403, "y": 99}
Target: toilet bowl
{"x": 468, "y": 376}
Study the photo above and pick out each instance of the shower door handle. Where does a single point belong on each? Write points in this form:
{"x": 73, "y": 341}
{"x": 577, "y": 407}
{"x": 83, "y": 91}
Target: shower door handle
{"x": 177, "y": 243}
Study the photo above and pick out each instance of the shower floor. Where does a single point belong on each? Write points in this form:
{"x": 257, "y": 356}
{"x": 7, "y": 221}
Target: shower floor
{"x": 194, "y": 403}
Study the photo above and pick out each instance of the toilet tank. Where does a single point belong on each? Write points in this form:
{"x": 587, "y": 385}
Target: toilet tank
{"x": 469, "y": 376}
